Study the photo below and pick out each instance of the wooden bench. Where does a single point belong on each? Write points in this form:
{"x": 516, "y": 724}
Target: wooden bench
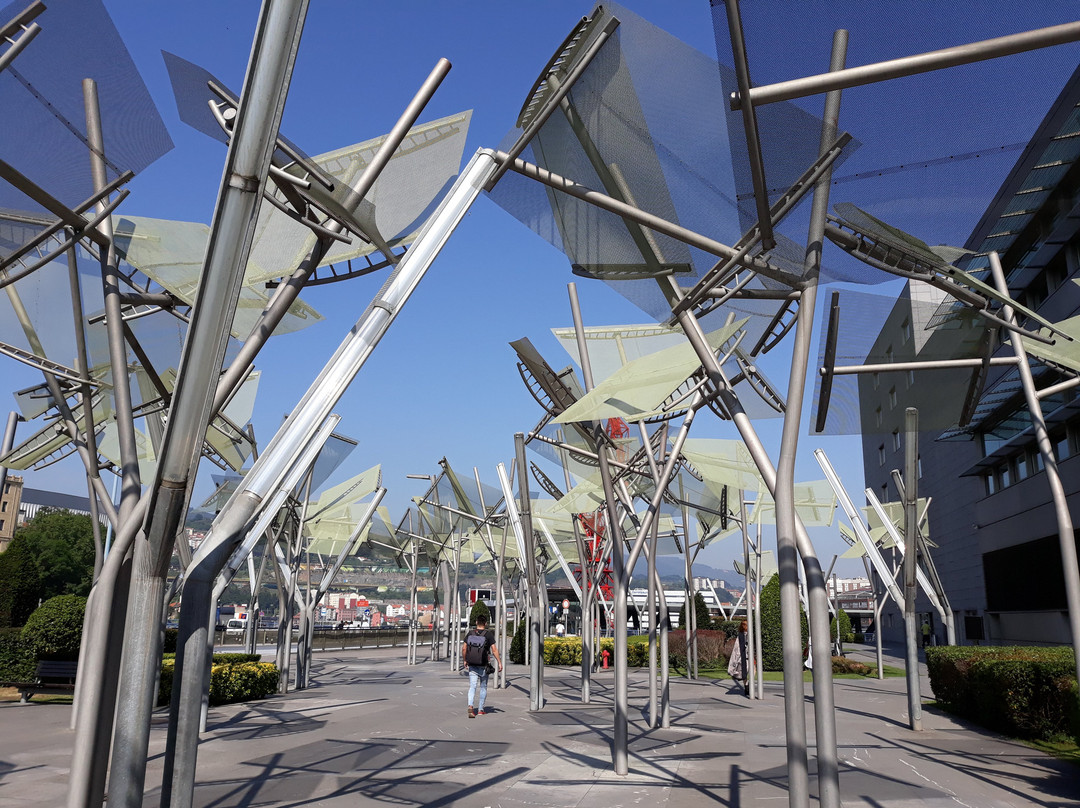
{"x": 51, "y": 676}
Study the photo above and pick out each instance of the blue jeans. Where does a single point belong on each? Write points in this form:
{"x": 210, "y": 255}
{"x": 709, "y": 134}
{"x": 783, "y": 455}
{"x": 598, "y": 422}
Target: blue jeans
{"x": 478, "y": 673}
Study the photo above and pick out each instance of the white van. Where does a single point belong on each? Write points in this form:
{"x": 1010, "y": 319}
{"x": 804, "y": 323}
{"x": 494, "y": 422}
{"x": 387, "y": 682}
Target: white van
{"x": 235, "y": 627}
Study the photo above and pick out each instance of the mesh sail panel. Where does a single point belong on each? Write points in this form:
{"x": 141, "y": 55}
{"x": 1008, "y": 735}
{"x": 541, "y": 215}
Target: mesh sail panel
{"x": 875, "y": 329}
{"x": 44, "y": 116}
{"x": 789, "y": 135}
{"x": 171, "y": 254}
{"x": 625, "y": 131}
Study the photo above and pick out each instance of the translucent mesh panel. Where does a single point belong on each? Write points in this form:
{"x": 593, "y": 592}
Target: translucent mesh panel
{"x": 171, "y": 254}
{"x": 789, "y": 135}
{"x": 637, "y": 389}
{"x": 332, "y": 455}
{"x": 875, "y": 329}
{"x": 226, "y": 485}
{"x": 45, "y": 120}
{"x": 634, "y": 143}
{"x": 338, "y": 498}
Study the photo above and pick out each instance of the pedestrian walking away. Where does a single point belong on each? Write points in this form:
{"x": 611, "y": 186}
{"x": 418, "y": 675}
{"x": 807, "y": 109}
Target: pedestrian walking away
{"x": 478, "y": 650}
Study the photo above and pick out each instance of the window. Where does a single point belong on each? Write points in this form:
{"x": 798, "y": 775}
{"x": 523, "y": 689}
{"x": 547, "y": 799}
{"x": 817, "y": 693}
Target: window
{"x": 884, "y": 492}
{"x": 3, "y": 506}
{"x": 1023, "y": 467}
{"x": 877, "y": 416}
{"x": 919, "y": 466}
{"x": 889, "y": 355}
{"x": 881, "y": 455}
{"x": 910, "y": 379}
{"x": 1005, "y": 474}
{"x": 896, "y": 440}
{"x": 1061, "y": 446}
{"x": 905, "y": 332}
{"x": 892, "y": 399}
{"x": 877, "y": 380}
{"x": 991, "y": 484}
{"x": 1, "y": 524}
{"x": 1039, "y": 463}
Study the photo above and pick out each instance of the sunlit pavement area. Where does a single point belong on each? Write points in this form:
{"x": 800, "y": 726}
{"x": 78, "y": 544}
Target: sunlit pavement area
{"x": 371, "y": 731}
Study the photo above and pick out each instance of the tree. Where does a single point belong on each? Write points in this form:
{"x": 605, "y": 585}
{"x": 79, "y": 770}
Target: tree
{"x": 20, "y": 583}
{"x": 54, "y": 630}
{"x": 846, "y": 634}
{"x": 479, "y": 609}
{"x": 701, "y": 612}
{"x": 772, "y": 646}
{"x": 62, "y": 543}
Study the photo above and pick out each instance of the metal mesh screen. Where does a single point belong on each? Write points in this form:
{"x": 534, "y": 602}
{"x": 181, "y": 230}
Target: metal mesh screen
{"x": 44, "y": 116}
{"x": 875, "y": 329}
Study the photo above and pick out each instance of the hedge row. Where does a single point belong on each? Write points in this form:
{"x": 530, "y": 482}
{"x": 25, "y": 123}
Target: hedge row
{"x": 16, "y": 658}
{"x": 1021, "y": 691}
{"x": 229, "y": 681}
{"x": 714, "y": 648}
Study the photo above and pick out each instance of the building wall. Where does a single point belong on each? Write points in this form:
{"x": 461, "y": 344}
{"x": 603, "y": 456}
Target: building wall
{"x": 10, "y": 498}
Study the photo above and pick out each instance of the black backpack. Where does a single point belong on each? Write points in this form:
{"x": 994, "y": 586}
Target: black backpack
{"x": 476, "y": 648}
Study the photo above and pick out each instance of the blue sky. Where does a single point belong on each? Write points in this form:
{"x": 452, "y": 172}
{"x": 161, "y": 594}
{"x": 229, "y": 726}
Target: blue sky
{"x": 443, "y": 381}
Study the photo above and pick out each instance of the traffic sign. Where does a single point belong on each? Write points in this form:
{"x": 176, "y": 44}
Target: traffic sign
{"x": 565, "y": 605}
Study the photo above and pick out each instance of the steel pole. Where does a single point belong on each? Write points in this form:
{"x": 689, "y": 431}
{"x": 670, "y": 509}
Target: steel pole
{"x": 620, "y": 734}
{"x": 911, "y": 586}
{"x": 912, "y": 65}
{"x": 1066, "y": 536}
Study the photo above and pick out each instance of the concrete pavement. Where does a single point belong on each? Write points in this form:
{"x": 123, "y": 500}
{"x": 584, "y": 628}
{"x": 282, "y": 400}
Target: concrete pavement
{"x": 374, "y": 732}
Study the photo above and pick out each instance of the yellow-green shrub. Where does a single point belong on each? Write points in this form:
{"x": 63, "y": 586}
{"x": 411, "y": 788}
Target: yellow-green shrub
{"x": 229, "y": 682}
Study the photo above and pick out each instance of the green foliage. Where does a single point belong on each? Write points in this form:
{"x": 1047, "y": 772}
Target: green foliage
{"x": 729, "y": 627}
{"x": 16, "y": 658}
{"x": 1022, "y": 691}
{"x": 701, "y": 612}
{"x": 62, "y": 543}
{"x": 54, "y": 630}
{"x": 517, "y": 645}
{"x": 846, "y": 634}
{"x": 772, "y": 647}
{"x": 567, "y": 651}
{"x": 714, "y": 649}
{"x": 229, "y": 681}
{"x": 479, "y": 609}
{"x": 20, "y": 583}
{"x": 858, "y": 637}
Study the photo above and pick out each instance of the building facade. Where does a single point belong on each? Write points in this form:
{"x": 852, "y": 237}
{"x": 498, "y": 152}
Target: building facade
{"x": 10, "y": 499}
{"x": 991, "y": 513}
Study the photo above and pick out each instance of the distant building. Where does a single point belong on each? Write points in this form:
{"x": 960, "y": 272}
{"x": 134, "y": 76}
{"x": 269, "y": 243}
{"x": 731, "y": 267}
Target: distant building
{"x": 34, "y": 499}
{"x": 842, "y": 585}
{"x": 10, "y": 498}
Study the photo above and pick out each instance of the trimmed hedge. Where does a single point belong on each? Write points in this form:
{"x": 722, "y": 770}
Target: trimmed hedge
{"x": 229, "y": 681}
{"x": 16, "y": 659}
{"x": 517, "y": 644}
{"x": 1021, "y": 691}
{"x": 54, "y": 630}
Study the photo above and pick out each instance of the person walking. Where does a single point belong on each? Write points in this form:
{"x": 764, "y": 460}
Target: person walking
{"x": 477, "y": 650}
{"x": 738, "y": 664}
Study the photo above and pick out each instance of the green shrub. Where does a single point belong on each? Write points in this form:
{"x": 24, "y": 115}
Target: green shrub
{"x": 233, "y": 659}
{"x": 16, "y": 658}
{"x": 844, "y": 665}
{"x": 1022, "y": 691}
{"x": 229, "y": 682}
{"x": 517, "y": 645}
{"x": 858, "y": 637}
{"x": 729, "y": 627}
{"x": 54, "y": 630}
{"x": 846, "y": 634}
{"x": 479, "y": 608}
{"x": 772, "y": 646}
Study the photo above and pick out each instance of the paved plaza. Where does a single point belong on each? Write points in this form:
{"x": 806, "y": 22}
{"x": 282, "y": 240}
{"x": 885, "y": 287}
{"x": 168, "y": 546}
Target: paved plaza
{"x": 372, "y": 732}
